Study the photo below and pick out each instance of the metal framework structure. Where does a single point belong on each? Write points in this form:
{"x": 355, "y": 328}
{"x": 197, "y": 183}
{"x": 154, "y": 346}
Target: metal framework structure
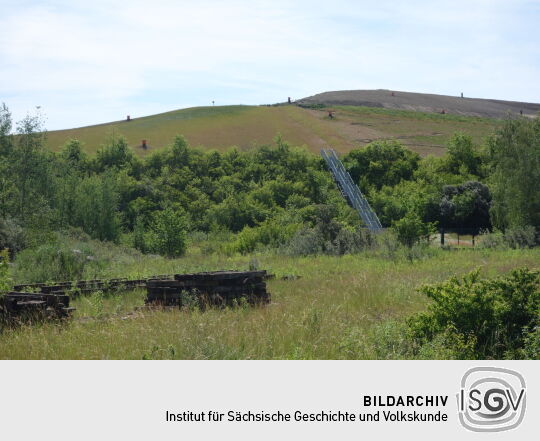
{"x": 350, "y": 190}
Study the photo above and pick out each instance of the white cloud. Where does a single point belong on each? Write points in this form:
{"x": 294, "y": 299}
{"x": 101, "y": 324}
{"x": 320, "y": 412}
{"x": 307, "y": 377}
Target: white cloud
{"x": 89, "y": 62}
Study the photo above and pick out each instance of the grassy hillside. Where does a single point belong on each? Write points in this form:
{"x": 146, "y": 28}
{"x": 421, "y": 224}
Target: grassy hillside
{"x": 247, "y": 126}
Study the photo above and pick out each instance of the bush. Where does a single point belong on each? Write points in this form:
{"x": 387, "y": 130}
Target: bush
{"x": 12, "y": 236}
{"x": 305, "y": 242}
{"x": 167, "y": 234}
{"x": 5, "y": 280}
{"x": 410, "y": 229}
{"x": 493, "y": 240}
{"x": 352, "y": 241}
{"x": 520, "y": 237}
{"x": 55, "y": 262}
{"x": 270, "y": 234}
{"x": 531, "y": 349}
{"x": 480, "y": 318}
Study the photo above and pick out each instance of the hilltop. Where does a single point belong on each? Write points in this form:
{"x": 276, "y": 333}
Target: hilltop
{"x": 423, "y": 102}
{"x": 358, "y": 117}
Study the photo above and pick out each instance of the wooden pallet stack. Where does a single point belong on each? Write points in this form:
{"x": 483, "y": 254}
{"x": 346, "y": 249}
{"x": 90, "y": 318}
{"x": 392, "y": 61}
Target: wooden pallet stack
{"x": 219, "y": 288}
{"x": 22, "y": 306}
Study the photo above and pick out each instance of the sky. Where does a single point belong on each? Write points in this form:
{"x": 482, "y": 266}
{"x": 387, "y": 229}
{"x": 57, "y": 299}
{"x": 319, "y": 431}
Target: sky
{"x": 93, "y": 61}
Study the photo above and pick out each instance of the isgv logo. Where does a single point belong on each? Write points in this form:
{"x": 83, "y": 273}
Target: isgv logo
{"x": 491, "y": 399}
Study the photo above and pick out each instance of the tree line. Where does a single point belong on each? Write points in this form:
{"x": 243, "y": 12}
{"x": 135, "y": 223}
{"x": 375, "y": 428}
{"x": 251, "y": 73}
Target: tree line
{"x": 262, "y": 197}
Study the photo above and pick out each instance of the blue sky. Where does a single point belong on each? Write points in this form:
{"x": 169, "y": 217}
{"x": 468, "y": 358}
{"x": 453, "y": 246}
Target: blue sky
{"x": 86, "y": 62}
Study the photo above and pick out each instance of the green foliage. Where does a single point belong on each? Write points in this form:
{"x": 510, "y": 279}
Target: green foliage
{"x": 480, "y": 318}
{"x": 12, "y": 235}
{"x": 465, "y": 206}
{"x": 139, "y": 236}
{"x": 167, "y": 235}
{"x": 95, "y": 207}
{"x": 54, "y": 262}
{"x": 514, "y": 159}
{"x": 270, "y": 196}
{"x": 115, "y": 153}
{"x": 73, "y": 155}
{"x": 520, "y": 237}
{"x": 462, "y": 157}
{"x": 5, "y": 281}
{"x": 410, "y": 229}
{"x": 381, "y": 163}
{"x": 270, "y": 233}
{"x": 327, "y": 236}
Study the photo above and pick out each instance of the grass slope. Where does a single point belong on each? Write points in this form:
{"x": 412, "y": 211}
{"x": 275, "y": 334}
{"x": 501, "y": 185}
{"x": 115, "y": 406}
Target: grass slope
{"x": 341, "y": 308}
{"x": 248, "y": 126}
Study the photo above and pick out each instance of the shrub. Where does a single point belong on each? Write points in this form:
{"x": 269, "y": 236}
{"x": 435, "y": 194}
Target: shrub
{"x": 139, "y": 236}
{"x": 480, "y": 318}
{"x": 167, "y": 234}
{"x": 520, "y": 237}
{"x": 54, "y": 262}
{"x": 5, "y": 280}
{"x": 352, "y": 241}
{"x": 531, "y": 349}
{"x": 270, "y": 233}
{"x": 493, "y": 240}
{"x": 410, "y": 229}
{"x": 305, "y": 242}
{"x": 12, "y": 236}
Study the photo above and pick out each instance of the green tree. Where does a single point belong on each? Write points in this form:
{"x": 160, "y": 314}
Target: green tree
{"x": 514, "y": 154}
{"x": 30, "y": 170}
{"x": 73, "y": 155}
{"x": 381, "y": 163}
{"x": 96, "y": 207}
{"x": 168, "y": 233}
{"x": 5, "y": 280}
{"x": 410, "y": 229}
{"x": 462, "y": 157}
{"x": 115, "y": 153}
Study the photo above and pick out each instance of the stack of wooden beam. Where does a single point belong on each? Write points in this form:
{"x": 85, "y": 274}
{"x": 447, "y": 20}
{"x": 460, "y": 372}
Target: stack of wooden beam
{"x": 83, "y": 287}
{"x": 220, "y": 288}
{"x": 33, "y": 306}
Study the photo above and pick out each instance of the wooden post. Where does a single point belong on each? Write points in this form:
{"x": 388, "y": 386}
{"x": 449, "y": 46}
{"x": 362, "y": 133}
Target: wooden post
{"x": 442, "y": 236}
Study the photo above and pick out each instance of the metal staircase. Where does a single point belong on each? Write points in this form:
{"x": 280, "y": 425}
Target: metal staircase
{"x": 350, "y": 190}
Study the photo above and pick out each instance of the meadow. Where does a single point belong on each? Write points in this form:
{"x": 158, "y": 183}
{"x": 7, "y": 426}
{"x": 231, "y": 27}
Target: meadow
{"x": 336, "y": 307}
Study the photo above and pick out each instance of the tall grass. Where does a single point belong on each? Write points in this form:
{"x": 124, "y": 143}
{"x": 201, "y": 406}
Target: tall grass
{"x": 340, "y": 308}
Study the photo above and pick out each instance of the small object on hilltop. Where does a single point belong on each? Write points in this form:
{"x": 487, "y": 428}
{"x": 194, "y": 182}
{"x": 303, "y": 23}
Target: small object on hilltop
{"x": 521, "y": 112}
{"x": 212, "y": 102}
{"x": 220, "y": 288}
{"x": 443, "y": 112}
{"x": 144, "y": 145}
{"x": 289, "y": 100}
{"x": 393, "y": 94}
{"x": 128, "y": 118}
{"x": 461, "y": 94}
{"x": 331, "y": 114}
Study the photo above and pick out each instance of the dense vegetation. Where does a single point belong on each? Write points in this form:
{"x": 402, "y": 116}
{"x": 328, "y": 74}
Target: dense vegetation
{"x": 271, "y": 196}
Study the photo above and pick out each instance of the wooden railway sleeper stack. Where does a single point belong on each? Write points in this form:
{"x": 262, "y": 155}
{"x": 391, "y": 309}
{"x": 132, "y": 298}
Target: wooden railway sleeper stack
{"x": 220, "y": 288}
{"x": 24, "y": 306}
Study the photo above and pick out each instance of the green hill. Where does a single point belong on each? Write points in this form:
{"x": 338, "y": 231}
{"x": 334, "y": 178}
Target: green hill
{"x": 247, "y": 126}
